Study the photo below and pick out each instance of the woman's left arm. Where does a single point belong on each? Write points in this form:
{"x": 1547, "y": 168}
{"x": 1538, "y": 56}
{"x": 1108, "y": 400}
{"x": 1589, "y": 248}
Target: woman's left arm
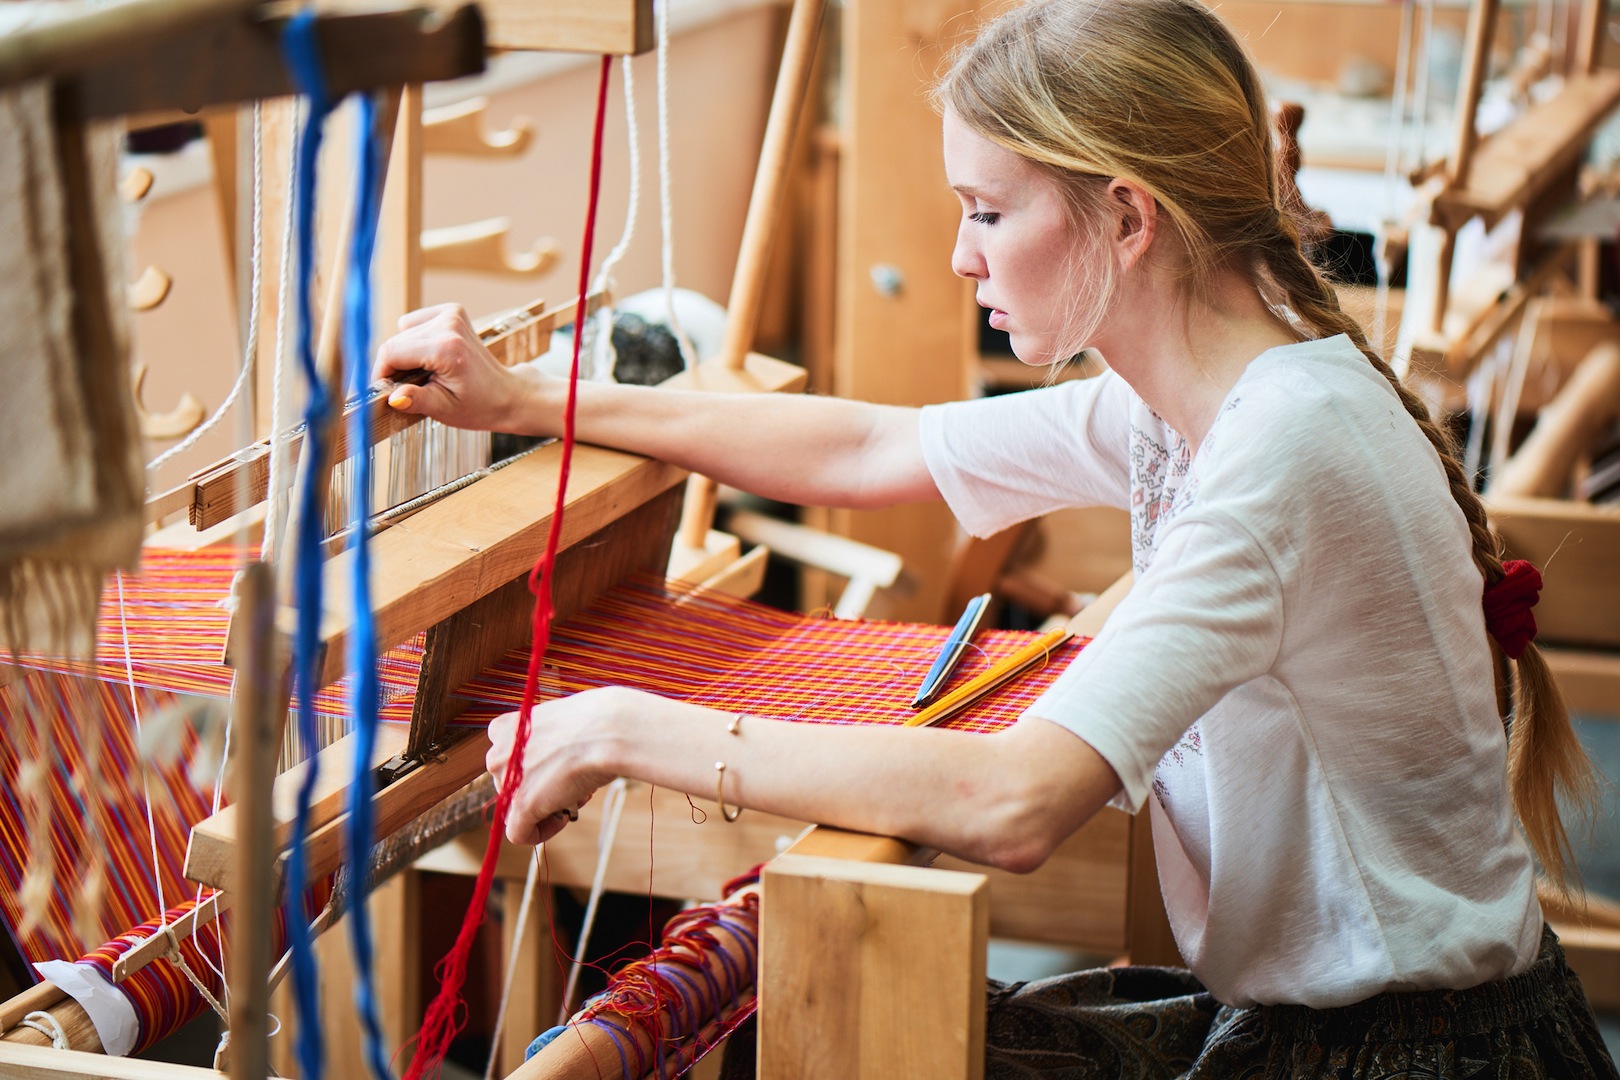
{"x": 1005, "y": 799}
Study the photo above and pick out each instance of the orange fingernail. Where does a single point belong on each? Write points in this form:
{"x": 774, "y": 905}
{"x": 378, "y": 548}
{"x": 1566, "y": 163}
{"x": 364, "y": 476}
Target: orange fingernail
{"x": 399, "y": 401}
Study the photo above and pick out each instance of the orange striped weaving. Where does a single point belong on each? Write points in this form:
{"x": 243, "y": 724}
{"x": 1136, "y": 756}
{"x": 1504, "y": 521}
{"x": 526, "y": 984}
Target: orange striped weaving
{"x": 729, "y": 654}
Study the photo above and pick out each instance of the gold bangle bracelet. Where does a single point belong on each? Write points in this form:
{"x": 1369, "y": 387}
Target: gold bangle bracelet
{"x": 720, "y": 793}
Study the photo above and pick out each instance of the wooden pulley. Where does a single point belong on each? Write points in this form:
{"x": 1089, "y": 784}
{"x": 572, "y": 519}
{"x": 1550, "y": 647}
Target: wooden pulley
{"x": 177, "y": 423}
{"x": 149, "y": 290}
{"x": 481, "y": 247}
{"x": 461, "y": 129}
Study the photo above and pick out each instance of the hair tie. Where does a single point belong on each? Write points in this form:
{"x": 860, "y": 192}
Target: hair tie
{"x": 1508, "y": 601}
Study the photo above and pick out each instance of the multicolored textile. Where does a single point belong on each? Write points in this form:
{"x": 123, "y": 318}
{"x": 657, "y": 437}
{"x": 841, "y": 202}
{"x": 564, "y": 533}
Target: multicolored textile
{"x": 172, "y": 620}
{"x": 735, "y": 655}
{"x": 1158, "y": 1024}
{"x": 112, "y": 853}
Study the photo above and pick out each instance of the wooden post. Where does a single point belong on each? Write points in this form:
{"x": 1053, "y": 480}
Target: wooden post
{"x": 871, "y": 970}
{"x": 1476, "y": 57}
{"x": 253, "y": 766}
{"x": 764, "y": 208}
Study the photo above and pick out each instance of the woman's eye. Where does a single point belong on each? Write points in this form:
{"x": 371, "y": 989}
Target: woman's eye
{"x": 984, "y": 217}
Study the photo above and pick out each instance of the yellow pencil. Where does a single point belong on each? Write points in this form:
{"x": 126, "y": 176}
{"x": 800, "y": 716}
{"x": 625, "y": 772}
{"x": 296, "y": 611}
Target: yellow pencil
{"x": 988, "y": 680}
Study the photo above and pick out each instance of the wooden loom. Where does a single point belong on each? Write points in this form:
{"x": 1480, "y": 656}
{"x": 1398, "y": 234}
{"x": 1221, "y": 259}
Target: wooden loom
{"x": 466, "y": 576}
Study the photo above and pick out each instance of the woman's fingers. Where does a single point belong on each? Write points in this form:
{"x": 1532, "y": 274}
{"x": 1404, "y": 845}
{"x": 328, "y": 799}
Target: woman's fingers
{"x": 427, "y": 314}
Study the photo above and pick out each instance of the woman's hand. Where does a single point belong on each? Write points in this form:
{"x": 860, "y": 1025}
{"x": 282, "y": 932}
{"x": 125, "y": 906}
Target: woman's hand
{"x": 469, "y": 388}
{"x": 559, "y": 761}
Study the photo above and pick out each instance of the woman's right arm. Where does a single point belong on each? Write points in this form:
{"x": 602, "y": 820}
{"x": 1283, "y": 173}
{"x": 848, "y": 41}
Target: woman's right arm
{"x": 796, "y": 448}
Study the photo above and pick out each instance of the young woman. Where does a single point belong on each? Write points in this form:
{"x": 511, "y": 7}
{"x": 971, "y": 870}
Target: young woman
{"x": 1300, "y": 683}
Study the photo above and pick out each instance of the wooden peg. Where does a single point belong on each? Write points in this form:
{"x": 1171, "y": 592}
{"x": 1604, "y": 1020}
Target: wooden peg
{"x": 481, "y": 246}
{"x": 149, "y": 290}
{"x": 177, "y": 423}
{"x": 135, "y": 184}
{"x": 459, "y": 129}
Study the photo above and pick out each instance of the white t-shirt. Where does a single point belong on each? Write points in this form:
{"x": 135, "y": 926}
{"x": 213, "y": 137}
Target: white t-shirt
{"x": 1299, "y": 675}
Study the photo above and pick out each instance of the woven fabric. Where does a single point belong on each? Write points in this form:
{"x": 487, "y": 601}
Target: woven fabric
{"x": 176, "y": 611}
{"x": 728, "y": 654}
{"x": 735, "y": 655}
{"x": 62, "y": 704}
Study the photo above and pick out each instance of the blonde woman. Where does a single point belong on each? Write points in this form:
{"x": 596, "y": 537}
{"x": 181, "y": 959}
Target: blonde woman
{"x": 1300, "y": 685}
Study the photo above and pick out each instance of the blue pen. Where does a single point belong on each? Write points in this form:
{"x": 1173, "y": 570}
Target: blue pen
{"x": 952, "y": 651}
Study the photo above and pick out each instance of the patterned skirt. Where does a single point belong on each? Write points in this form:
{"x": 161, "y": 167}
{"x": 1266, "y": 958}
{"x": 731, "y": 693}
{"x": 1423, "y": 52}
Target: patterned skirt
{"x": 1139, "y": 1023}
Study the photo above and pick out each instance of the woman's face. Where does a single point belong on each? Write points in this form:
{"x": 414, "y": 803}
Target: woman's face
{"x": 1016, "y": 242}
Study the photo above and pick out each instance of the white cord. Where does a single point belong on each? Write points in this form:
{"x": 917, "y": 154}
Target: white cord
{"x": 256, "y": 262}
{"x": 47, "y": 1025}
{"x": 278, "y": 450}
{"x": 529, "y": 883}
{"x": 665, "y": 213}
{"x": 612, "y": 811}
{"x": 603, "y": 358}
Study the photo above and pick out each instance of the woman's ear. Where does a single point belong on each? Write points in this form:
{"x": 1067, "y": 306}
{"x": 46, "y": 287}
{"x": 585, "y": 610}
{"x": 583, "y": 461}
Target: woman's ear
{"x": 1138, "y": 216}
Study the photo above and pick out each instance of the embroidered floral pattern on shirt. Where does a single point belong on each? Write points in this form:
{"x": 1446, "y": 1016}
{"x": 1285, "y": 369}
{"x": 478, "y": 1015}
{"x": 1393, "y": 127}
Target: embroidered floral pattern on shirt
{"x": 1160, "y": 461}
{"x": 1178, "y": 757}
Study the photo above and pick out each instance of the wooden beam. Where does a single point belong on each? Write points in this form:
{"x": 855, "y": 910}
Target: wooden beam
{"x": 211, "y": 855}
{"x": 43, "y": 1063}
{"x": 239, "y": 58}
{"x": 478, "y": 635}
{"x": 473, "y": 542}
{"x": 37, "y": 997}
{"x": 621, "y": 27}
{"x": 68, "y": 38}
{"x": 1514, "y": 165}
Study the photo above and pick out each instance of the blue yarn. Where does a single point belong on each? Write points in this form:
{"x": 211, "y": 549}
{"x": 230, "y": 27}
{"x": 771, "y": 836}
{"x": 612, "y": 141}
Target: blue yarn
{"x": 543, "y": 1040}
{"x": 363, "y": 639}
{"x": 303, "y": 57}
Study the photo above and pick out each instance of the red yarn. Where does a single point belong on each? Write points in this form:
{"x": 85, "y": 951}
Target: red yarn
{"x": 1508, "y": 601}
{"x": 446, "y": 1015}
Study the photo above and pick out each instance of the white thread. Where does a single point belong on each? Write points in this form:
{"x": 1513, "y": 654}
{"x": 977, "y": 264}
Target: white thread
{"x": 219, "y": 938}
{"x": 529, "y": 883}
{"x": 48, "y": 1026}
{"x": 612, "y": 811}
{"x": 179, "y": 961}
{"x": 603, "y": 358}
{"x": 146, "y": 785}
{"x": 255, "y": 262}
{"x": 278, "y": 449}
{"x": 665, "y": 214}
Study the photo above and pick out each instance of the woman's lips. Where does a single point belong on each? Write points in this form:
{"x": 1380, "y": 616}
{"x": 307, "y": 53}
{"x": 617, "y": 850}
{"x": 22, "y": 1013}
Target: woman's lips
{"x": 998, "y": 319}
